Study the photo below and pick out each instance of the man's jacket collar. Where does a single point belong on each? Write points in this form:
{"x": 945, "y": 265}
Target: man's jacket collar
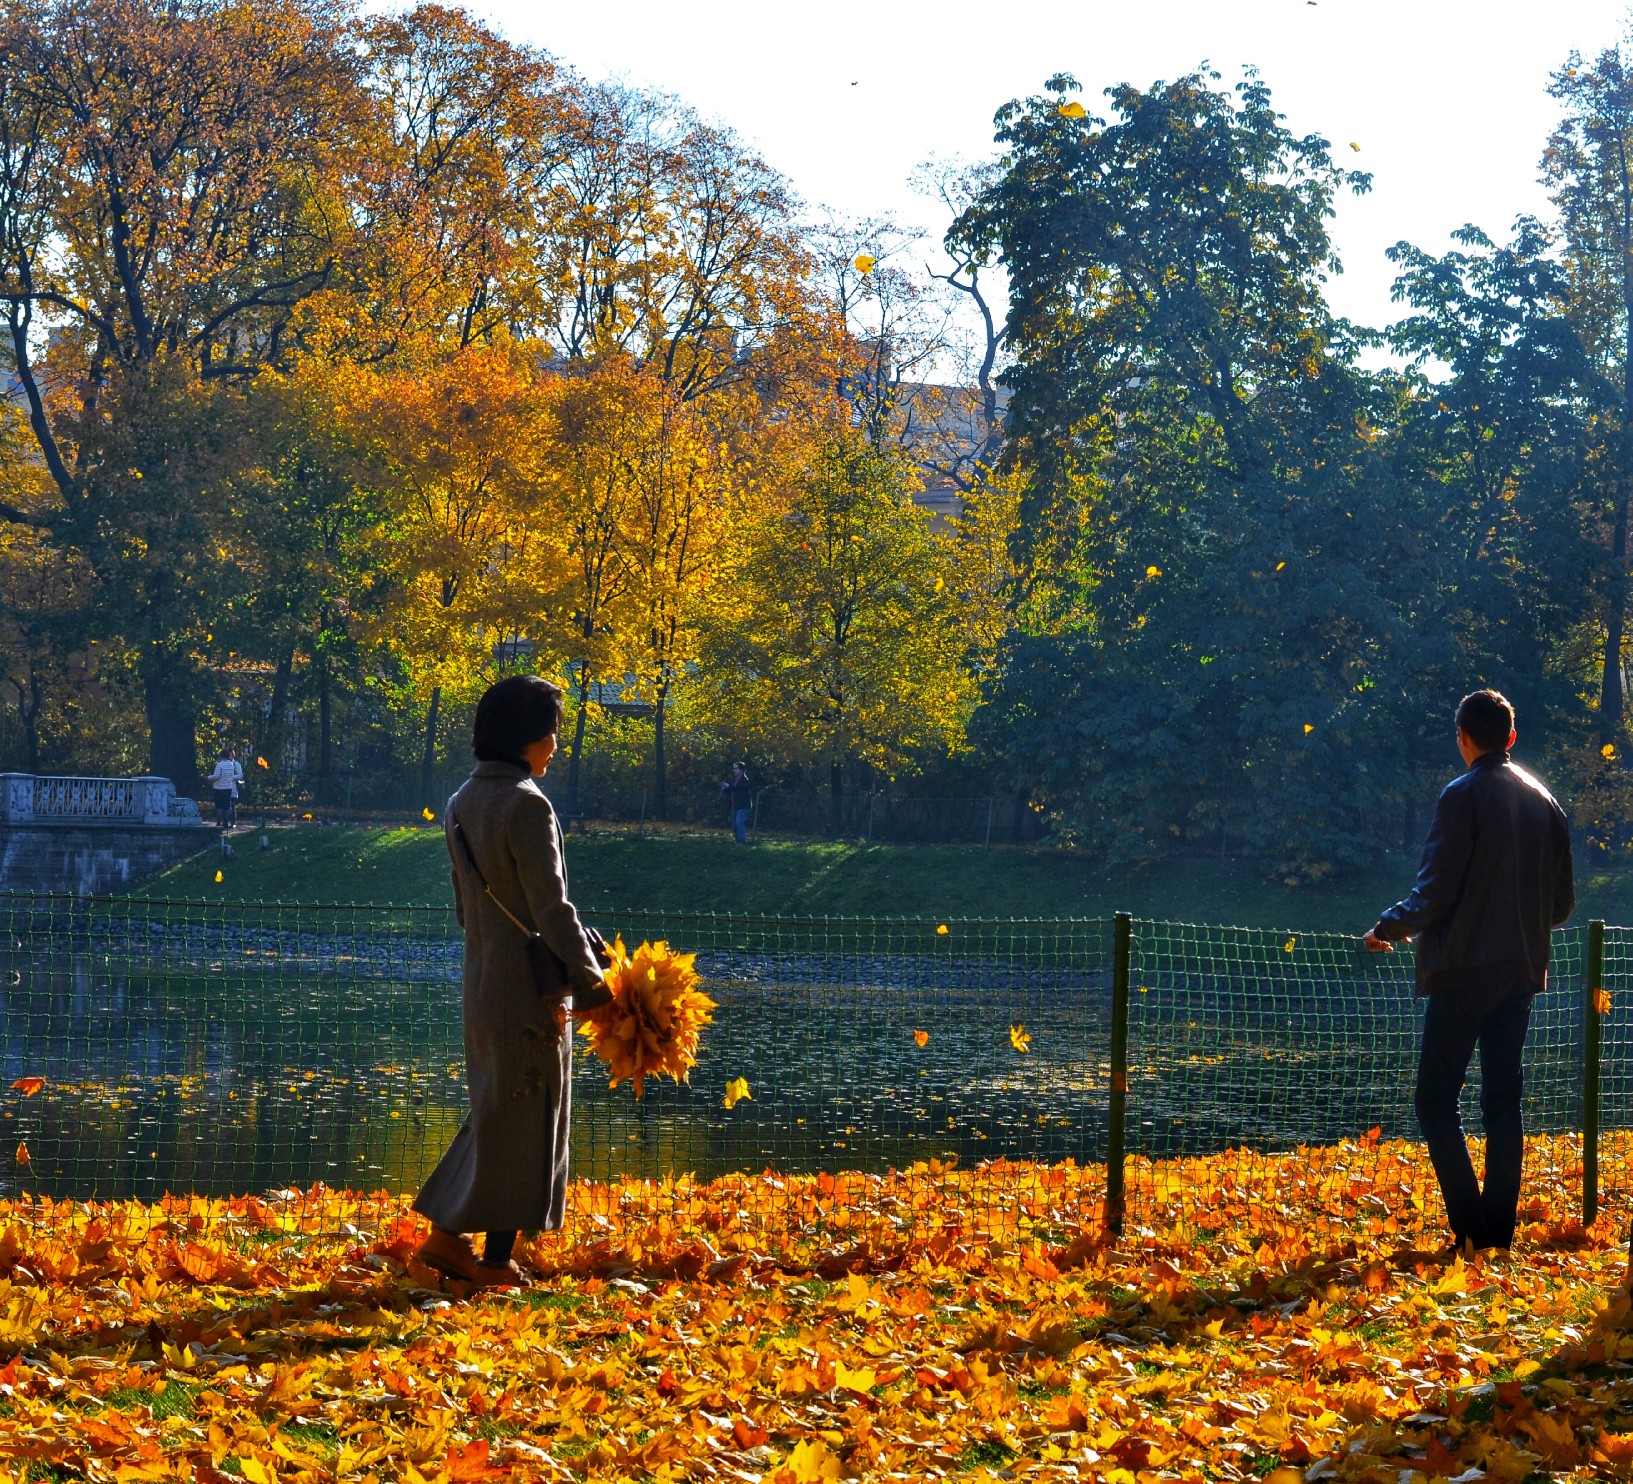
{"x": 1493, "y": 759}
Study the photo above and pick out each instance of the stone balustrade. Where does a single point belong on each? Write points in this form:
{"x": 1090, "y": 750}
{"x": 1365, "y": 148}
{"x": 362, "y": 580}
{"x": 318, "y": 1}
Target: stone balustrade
{"x": 93, "y": 802}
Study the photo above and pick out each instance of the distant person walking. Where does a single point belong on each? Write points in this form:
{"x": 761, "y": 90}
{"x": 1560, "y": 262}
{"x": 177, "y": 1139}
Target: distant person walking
{"x": 529, "y": 962}
{"x": 224, "y": 783}
{"x": 1494, "y": 882}
{"x": 735, "y": 790}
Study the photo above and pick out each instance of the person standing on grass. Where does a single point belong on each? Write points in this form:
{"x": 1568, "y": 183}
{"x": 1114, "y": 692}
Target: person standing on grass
{"x": 506, "y": 1170}
{"x": 735, "y": 790}
{"x": 1494, "y": 883}
{"x": 224, "y": 782}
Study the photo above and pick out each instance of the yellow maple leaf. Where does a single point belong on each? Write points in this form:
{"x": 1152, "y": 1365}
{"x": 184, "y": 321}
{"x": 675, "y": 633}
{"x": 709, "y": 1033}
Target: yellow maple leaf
{"x": 218, "y": 878}
{"x": 1073, "y": 110}
{"x": 941, "y": 930}
{"x": 922, "y": 1037}
{"x": 1308, "y": 728}
{"x": 256, "y": 1471}
{"x": 1153, "y": 571}
{"x": 861, "y": 1380}
{"x": 1608, "y": 751}
{"x": 811, "y": 1460}
{"x": 865, "y": 262}
{"x": 1289, "y": 945}
{"x": 1280, "y": 565}
{"x": 736, "y": 1091}
{"x": 1020, "y": 1038}
{"x": 427, "y": 814}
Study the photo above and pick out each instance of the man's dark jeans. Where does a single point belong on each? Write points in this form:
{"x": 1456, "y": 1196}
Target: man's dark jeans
{"x": 1450, "y": 1034}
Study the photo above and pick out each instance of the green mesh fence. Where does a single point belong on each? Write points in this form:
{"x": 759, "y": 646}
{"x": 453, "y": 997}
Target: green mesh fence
{"x": 220, "y": 1050}
{"x": 223, "y": 1050}
{"x": 1616, "y": 1069}
{"x": 1263, "y": 1043}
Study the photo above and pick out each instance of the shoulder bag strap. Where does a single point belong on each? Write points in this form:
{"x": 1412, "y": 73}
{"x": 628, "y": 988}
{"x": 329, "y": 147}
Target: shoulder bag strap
{"x": 476, "y": 870}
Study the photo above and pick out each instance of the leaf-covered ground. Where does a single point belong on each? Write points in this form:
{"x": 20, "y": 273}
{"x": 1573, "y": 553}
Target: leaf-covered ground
{"x": 795, "y": 1328}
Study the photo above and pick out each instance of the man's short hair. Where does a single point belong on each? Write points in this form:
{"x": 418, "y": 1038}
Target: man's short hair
{"x": 512, "y": 715}
{"x": 1487, "y": 718}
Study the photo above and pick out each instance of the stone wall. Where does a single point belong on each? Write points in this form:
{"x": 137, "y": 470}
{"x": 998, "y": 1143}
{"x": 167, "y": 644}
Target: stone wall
{"x": 93, "y": 835}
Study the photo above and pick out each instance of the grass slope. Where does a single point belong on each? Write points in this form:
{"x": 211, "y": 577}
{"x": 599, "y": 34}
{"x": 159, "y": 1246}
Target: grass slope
{"x": 685, "y": 872}
{"x": 691, "y": 872}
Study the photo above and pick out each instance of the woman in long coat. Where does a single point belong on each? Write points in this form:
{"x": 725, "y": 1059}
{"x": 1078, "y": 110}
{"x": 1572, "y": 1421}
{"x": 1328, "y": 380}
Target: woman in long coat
{"x": 506, "y": 1170}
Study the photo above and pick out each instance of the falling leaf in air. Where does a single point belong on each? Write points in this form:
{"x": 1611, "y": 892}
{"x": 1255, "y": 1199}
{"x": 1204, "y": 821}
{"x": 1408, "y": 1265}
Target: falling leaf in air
{"x": 218, "y": 878}
{"x": 922, "y": 1037}
{"x": 1601, "y": 1001}
{"x": 1073, "y": 110}
{"x": 1020, "y": 1038}
{"x": 427, "y": 814}
{"x": 1608, "y": 750}
{"x": 22, "y": 1153}
{"x": 941, "y": 930}
{"x": 1288, "y": 946}
{"x": 28, "y": 1086}
{"x": 1153, "y": 571}
{"x": 865, "y": 262}
{"x": 736, "y": 1091}
{"x": 261, "y": 762}
{"x": 1354, "y": 146}
{"x": 1280, "y": 565}
{"x": 306, "y": 816}
{"x": 1308, "y": 728}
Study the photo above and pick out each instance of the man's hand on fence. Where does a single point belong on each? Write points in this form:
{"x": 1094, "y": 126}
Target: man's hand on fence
{"x": 1375, "y": 944}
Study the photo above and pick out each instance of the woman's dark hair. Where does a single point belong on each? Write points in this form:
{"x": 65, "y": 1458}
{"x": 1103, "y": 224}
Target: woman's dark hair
{"x": 512, "y": 715}
{"x": 1487, "y": 718}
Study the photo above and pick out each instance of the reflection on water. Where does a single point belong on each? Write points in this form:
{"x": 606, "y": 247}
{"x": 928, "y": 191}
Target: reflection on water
{"x": 221, "y": 1076}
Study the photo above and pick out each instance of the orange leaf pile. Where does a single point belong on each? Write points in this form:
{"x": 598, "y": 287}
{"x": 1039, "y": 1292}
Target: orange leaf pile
{"x": 657, "y": 1013}
{"x": 933, "y": 1322}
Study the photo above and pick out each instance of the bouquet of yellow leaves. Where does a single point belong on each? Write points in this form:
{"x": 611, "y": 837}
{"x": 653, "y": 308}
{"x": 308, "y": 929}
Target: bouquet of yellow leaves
{"x": 650, "y": 1027}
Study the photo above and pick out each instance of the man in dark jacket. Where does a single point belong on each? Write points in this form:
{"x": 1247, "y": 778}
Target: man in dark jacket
{"x": 1494, "y": 883}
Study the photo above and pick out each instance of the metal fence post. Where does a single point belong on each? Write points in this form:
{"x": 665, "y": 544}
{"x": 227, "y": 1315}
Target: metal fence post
{"x": 1593, "y": 988}
{"x": 1117, "y": 1111}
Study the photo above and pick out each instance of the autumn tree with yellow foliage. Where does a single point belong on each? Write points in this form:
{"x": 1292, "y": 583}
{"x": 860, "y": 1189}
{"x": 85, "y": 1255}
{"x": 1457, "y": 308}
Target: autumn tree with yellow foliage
{"x": 847, "y": 645}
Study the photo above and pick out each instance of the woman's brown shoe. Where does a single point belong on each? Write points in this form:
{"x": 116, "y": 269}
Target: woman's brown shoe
{"x": 449, "y": 1254}
{"x": 499, "y": 1275}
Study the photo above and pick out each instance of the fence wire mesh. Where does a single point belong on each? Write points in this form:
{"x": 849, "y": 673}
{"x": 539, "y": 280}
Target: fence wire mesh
{"x": 217, "y": 1050}
{"x": 1245, "y": 1043}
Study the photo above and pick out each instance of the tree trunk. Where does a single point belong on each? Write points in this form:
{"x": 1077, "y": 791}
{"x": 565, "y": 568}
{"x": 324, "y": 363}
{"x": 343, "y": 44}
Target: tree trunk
{"x": 660, "y": 770}
{"x": 172, "y": 728}
{"x": 1017, "y": 831}
{"x": 575, "y": 762}
{"x": 278, "y": 710}
{"x": 326, "y": 734}
{"x": 428, "y": 758}
{"x": 29, "y": 702}
{"x": 836, "y": 797}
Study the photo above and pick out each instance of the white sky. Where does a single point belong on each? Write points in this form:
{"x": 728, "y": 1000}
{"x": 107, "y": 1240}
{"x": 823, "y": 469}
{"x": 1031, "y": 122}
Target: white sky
{"x": 1447, "y": 98}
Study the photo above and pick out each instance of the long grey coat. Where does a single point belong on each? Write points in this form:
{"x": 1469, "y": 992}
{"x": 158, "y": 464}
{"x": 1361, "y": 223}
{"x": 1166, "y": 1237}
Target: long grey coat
{"x": 506, "y": 1169}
